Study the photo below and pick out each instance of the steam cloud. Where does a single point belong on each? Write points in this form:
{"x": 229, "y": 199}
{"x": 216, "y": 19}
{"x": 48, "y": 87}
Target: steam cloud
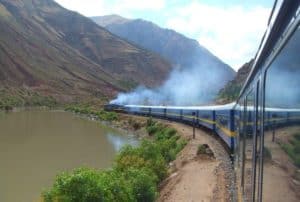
{"x": 190, "y": 86}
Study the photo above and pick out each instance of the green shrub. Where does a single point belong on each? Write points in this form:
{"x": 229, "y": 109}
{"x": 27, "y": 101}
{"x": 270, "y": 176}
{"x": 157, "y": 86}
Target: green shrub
{"x": 152, "y": 129}
{"x": 180, "y": 145}
{"x": 297, "y": 136}
{"x": 135, "y": 176}
{"x": 150, "y": 122}
{"x": 201, "y": 149}
{"x": 89, "y": 185}
{"x": 147, "y": 155}
{"x": 80, "y": 185}
{"x": 101, "y": 114}
{"x": 168, "y": 149}
{"x": 143, "y": 184}
{"x": 170, "y": 132}
{"x": 292, "y": 148}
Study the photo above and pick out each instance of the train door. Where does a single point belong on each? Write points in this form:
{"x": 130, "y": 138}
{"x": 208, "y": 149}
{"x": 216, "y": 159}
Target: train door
{"x": 248, "y": 144}
{"x": 257, "y": 143}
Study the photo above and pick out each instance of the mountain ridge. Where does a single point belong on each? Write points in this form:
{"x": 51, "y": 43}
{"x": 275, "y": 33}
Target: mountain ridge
{"x": 231, "y": 90}
{"x": 165, "y": 33}
{"x": 53, "y": 51}
{"x": 185, "y": 54}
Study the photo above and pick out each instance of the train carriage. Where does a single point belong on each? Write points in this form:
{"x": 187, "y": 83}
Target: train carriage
{"x": 174, "y": 114}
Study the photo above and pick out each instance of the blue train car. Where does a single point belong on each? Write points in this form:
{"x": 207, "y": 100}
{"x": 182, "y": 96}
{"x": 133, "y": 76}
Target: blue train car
{"x": 225, "y": 126}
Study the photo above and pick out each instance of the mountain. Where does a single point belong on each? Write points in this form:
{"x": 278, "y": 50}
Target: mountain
{"x": 47, "y": 49}
{"x": 232, "y": 89}
{"x": 181, "y": 51}
{"x": 110, "y": 19}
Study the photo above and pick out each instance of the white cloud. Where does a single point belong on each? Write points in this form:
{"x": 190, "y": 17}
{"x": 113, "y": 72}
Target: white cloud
{"x": 233, "y": 33}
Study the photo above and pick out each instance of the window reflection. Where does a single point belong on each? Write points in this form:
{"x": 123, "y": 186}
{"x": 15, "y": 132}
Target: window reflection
{"x": 282, "y": 125}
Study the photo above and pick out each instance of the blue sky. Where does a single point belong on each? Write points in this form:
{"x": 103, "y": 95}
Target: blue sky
{"x": 230, "y": 29}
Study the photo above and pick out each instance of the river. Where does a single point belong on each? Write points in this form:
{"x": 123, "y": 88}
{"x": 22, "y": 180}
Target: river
{"x": 37, "y": 144}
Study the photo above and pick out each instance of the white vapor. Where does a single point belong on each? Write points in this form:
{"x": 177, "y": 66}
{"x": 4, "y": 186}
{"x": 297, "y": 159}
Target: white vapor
{"x": 191, "y": 86}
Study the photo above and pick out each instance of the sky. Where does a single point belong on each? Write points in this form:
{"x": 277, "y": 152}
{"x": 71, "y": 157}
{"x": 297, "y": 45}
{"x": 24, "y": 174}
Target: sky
{"x": 230, "y": 29}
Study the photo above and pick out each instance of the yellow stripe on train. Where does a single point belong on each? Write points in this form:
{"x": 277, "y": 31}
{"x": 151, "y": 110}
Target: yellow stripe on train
{"x": 223, "y": 129}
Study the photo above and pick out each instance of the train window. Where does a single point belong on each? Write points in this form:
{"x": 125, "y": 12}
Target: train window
{"x": 281, "y": 176}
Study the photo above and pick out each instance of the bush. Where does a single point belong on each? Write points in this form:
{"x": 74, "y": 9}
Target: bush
{"x": 168, "y": 149}
{"x": 80, "y": 185}
{"x": 152, "y": 129}
{"x": 148, "y": 155}
{"x": 89, "y": 185}
{"x": 134, "y": 124}
{"x": 143, "y": 184}
{"x": 135, "y": 175}
{"x": 201, "y": 149}
{"x": 101, "y": 114}
{"x": 150, "y": 122}
{"x": 180, "y": 145}
{"x": 297, "y": 136}
{"x": 292, "y": 148}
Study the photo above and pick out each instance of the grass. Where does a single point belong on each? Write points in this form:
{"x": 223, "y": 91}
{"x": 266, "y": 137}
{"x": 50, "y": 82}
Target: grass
{"x": 230, "y": 92}
{"x": 204, "y": 149}
{"x": 128, "y": 84}
{"x": 24, "y": 98}
{"x": 292, "y": 148}
{"x": 135, "y": 175}
{"x": 100, "y": 114}
{"x": 201, "y": 149}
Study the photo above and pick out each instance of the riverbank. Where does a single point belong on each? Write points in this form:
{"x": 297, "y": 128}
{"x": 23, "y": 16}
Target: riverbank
{"x": 137, "y": 171}
{"x": 175, "y": 174}
{"x": 192, "y": 177}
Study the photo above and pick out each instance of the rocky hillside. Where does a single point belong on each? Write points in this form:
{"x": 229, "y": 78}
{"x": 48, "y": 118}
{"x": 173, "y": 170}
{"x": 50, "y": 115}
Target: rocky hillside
{"x": 181, "y": 51}
{"x": 232, "y": 89}
{"x": 47, "y": 49}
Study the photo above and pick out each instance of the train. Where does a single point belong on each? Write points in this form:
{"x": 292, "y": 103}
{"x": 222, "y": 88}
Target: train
{"x": 220, "y": 119}
{"x": 261, "y": 129}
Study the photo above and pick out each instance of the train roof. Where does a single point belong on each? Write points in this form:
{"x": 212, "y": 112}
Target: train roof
{"x": 281, "y": 15}
{"x": 209, "y": 107}
{"x": 214, "y": 107}
{"x": 270, "y": 109}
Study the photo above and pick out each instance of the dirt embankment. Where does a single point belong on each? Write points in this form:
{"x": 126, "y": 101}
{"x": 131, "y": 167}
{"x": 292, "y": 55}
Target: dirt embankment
{"x": 198, "y": 177}
{"x": 192, "y": 177}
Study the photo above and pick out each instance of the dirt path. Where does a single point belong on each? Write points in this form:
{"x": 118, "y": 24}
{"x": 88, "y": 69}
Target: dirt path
{"x": 198, "y": 178}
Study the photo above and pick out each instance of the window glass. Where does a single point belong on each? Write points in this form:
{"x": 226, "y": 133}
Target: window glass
{"x": 281, "y": 176}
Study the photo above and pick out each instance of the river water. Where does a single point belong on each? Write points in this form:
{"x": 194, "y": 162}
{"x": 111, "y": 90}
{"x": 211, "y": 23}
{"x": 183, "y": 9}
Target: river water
{"x": 35, "y": 145}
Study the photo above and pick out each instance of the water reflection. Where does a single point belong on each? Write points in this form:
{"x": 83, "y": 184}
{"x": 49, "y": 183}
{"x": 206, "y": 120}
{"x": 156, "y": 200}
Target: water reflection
{"x": 118, "y": 141}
